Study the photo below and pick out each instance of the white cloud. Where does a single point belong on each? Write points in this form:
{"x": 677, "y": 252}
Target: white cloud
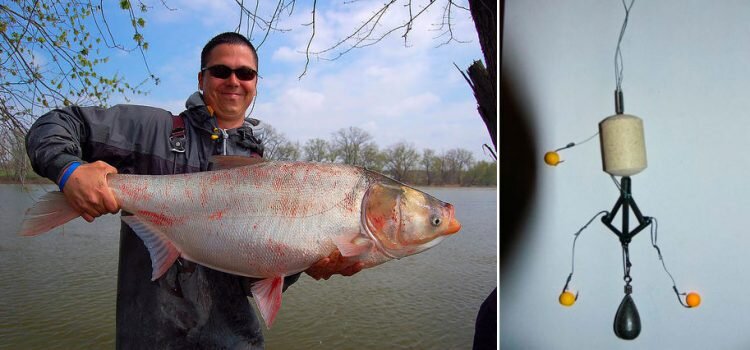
{"x": 298, "y": 99}
{"x": 396, "y": 93}
{"x": 414, "y": 104}
{"x": 287, "y": 54}
{"x": 395, "y": 100}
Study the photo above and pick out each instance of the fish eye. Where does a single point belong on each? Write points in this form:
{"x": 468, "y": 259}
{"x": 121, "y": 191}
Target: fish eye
{"x": 435, "y": 220}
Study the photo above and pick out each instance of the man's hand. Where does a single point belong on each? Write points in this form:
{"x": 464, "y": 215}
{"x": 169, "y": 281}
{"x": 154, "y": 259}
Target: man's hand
{"x": 87, "y": 192}
{"x": 333, "y": 264}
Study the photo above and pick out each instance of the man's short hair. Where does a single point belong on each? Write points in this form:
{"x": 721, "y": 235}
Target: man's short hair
{"x": 231, "y": 38}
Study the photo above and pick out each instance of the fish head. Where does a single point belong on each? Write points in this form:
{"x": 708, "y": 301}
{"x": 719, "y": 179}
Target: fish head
{"x": 403, "y": 221}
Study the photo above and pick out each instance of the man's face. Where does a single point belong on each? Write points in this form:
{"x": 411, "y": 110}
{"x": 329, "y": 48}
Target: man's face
{"x": 230, "y": 97}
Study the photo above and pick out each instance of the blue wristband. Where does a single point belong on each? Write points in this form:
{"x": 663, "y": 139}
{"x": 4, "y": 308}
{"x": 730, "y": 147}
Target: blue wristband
{"x": 69, "y": 170}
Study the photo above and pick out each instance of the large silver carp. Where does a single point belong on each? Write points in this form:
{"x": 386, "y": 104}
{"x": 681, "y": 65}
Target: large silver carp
{"x": 267, "y": 219}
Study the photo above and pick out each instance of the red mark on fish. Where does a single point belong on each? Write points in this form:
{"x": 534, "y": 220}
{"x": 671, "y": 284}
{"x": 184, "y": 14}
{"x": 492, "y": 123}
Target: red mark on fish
{"x": 135, "y": 191}
{"x": 220, "y": 177}
{"x": 377, "y": 222}
{"x": 349, "y": 202}
{"x": 156, "y": 218}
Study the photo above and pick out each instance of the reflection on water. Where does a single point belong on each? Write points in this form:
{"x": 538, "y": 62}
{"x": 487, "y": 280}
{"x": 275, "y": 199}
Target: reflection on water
{"x": 57, "y": 290}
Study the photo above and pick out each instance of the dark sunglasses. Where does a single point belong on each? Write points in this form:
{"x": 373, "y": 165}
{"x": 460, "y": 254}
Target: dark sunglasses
{"x": 223, "y": 72}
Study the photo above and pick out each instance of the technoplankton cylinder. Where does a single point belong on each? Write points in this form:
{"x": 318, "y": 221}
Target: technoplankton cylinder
{"x": 623, "y": 145}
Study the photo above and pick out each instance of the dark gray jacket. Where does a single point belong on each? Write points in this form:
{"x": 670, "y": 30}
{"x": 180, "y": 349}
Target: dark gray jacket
{"x": 191, "y": 307}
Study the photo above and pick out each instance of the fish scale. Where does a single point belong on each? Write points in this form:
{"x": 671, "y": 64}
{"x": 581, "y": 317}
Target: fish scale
{"x": 268, "y": 219}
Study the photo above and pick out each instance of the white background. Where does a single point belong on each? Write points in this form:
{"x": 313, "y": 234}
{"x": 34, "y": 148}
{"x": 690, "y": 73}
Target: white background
{"x": 686, "y": 75}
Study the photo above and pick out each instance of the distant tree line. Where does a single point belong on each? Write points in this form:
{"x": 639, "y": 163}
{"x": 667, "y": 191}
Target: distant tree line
{"x": 14, "y": 164}
{"x": 354, "y": 146}
{"x": 401, "y": 161}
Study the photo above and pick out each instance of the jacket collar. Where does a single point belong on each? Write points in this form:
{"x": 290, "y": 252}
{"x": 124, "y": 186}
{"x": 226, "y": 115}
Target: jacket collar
{"x": 197, "y": 112}
{"x": 195, "y": 100}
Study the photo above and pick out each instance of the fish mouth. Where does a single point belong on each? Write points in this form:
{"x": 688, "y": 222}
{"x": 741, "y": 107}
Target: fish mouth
{"x": 453, "y": 225}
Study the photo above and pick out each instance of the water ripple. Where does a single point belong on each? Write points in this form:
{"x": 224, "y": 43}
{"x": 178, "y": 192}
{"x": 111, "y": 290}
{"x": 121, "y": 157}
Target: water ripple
{"x": 59, "y": 289}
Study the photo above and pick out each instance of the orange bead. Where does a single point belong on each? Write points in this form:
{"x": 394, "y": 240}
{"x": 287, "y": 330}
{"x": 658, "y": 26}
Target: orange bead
{"x": 552, "y": 158}
{"x": 693, "y": 299}
{"x": 567, "y": 298}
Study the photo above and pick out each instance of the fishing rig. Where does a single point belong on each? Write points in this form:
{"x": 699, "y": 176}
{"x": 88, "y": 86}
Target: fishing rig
{"x": 623, "y": 154}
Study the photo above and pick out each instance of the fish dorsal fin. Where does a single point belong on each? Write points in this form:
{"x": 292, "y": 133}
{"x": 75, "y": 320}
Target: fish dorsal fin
{"x": 229, "y": 162}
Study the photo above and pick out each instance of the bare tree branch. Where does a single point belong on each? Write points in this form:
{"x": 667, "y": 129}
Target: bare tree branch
{"x": 368, "y": 33}
{"x": 309, "y": 42}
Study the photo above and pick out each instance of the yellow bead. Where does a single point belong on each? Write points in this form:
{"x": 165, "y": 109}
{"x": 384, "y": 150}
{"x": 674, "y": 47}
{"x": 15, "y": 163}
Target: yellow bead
{"x": 552, "y": 158}
{"x": 567, "y": 298}
{"x": 693, "y": 299}
{"x": 214, "y": 137}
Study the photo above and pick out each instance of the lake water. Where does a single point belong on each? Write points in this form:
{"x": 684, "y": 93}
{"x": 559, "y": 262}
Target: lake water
{"x": 57, "y": 290}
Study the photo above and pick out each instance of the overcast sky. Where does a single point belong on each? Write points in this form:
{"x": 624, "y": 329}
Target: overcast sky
{"x": 395, "y": 92}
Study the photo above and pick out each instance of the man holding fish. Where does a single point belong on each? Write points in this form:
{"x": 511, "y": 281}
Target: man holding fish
{"x": 245, "y": 217}
{"x": 192, "y": 306}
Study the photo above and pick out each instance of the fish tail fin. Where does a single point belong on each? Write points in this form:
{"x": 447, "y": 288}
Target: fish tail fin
{"x": 50, "y": 211}
{"x": 163, "y": 253}
{"x": 267, "y": 295}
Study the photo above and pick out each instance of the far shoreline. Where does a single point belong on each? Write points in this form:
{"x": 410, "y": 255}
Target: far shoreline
{"x": 45, "y": 181}
{"x": 29, "y": 181}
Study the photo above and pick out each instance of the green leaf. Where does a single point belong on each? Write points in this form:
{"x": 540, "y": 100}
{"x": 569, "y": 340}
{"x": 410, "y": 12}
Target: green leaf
{"x": 125, "y": 4}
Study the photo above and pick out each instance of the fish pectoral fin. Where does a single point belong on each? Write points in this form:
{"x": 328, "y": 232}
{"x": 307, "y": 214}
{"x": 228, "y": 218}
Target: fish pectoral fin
{"x": 267, "y": 295}
{"x": 352, "y": 246}
{"x": 163, "y": 253}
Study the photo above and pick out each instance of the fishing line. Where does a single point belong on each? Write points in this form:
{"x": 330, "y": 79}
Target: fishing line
{"x": 552, "y": 158}
{"x": 573, "y": 144}
{"x": 486, "y": 147}
{"x": 617, "y": 184}
{"x": 573, "y": 255}
{"x": 252, "y": 107}
{"x": 654, "y": 236}
{"x": 618, "y": 52}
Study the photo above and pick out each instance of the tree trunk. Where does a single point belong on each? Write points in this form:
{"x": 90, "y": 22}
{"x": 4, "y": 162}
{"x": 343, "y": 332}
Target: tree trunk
{"x": 484, "y": 81}
{"x": 484, "y": 84}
